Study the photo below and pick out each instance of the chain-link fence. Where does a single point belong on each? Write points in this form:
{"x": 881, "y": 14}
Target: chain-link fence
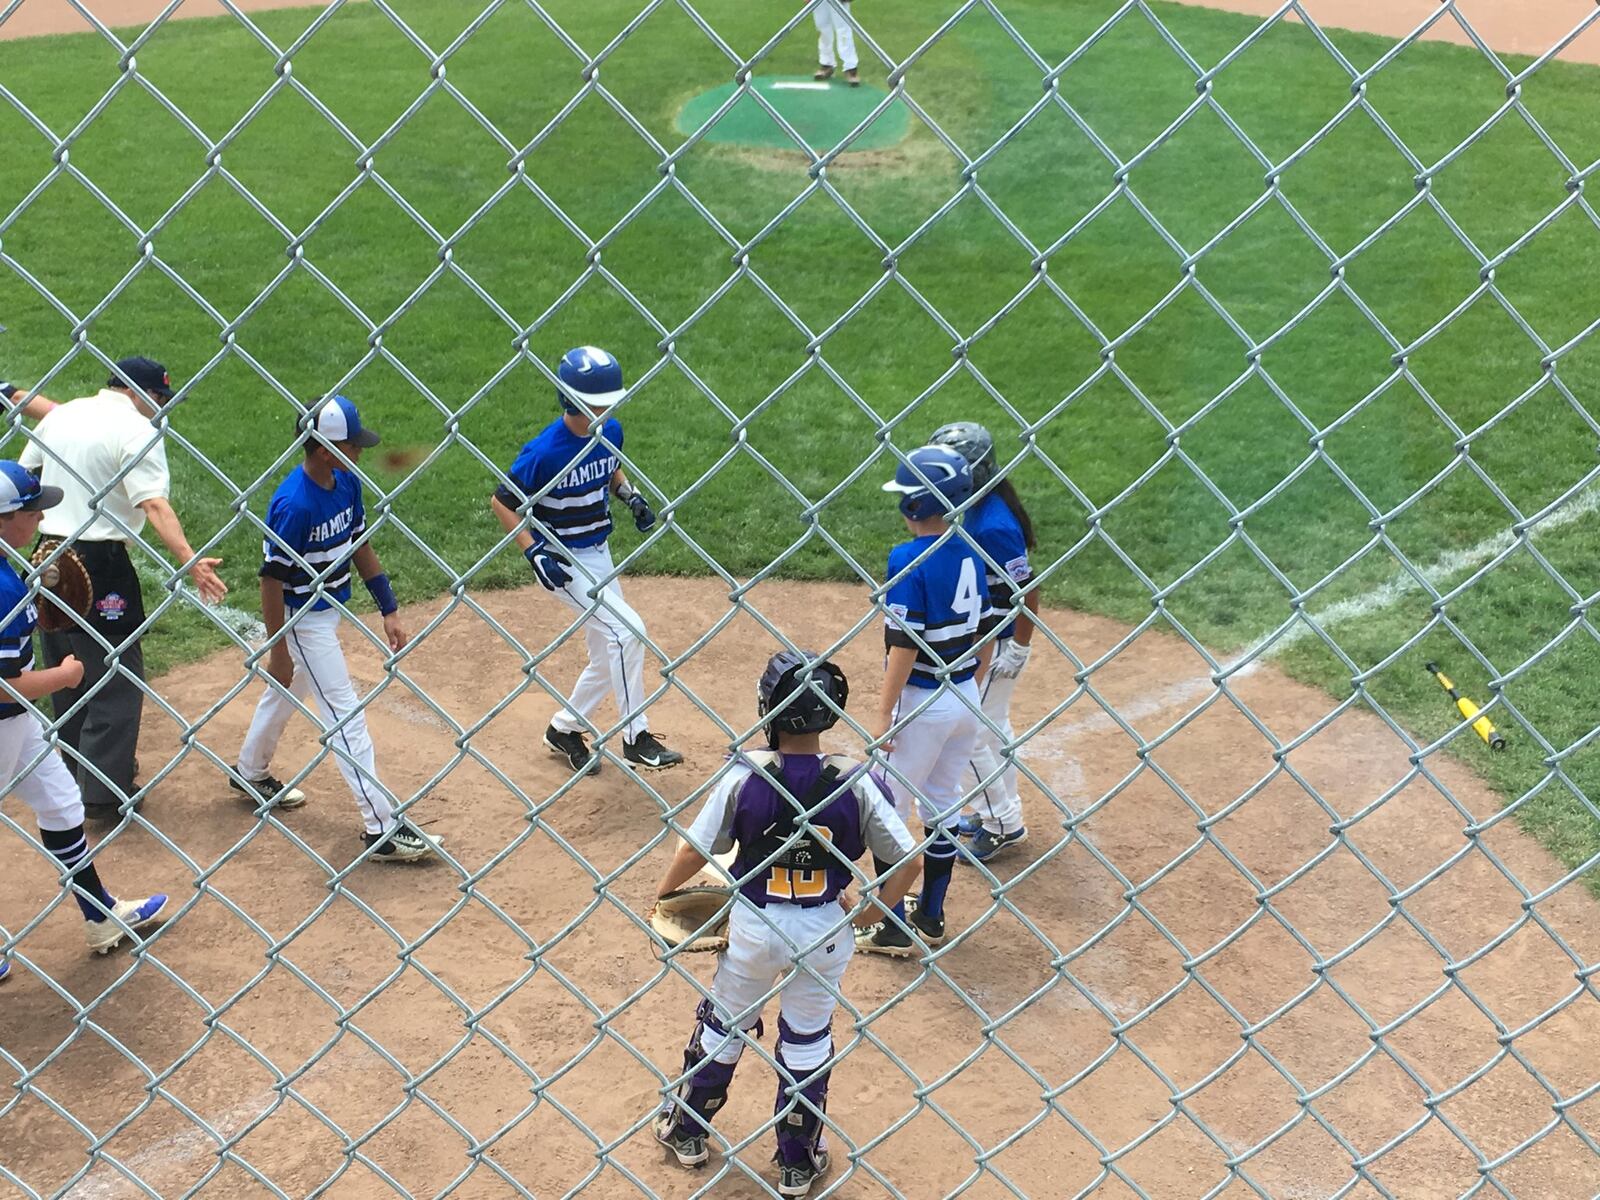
{"x": 1260, "y": 940}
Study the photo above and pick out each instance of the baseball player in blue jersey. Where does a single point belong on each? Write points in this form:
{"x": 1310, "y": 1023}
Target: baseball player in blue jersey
{"x": 30, "y": 770}
{"x": 1000, "y": 526}
{"x": 798, "y": 819}
{"x": 936, "y": 603}
{"x": 566, "y": 477}
{"x": 315, "y": 519}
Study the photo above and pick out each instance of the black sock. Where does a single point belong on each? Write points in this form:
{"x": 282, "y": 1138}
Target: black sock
{"x": 71, "y": 847}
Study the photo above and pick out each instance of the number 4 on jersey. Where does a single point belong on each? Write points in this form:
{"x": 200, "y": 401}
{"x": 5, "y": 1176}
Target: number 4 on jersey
{"x": 967, "y": 601}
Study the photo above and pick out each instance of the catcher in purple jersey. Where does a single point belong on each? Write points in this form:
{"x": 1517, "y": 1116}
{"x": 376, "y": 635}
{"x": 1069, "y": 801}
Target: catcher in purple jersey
{"x": 799, "y": 818}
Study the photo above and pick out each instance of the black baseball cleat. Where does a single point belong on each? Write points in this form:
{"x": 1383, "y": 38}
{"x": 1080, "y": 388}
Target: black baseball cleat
{"x": 273, "y": 793}
{"x": 574, "y": 749}
{"x": 930, "y": 929}
{"x": 647, "y": 753}
{"x": 795, "y": 1179}
{"x": 689, "y": 1148}
{"x": 405, "y": 843}
{"x": 885, "y": 938}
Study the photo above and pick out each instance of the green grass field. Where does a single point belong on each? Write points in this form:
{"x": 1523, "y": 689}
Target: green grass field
{"x": 1393, "y": 443}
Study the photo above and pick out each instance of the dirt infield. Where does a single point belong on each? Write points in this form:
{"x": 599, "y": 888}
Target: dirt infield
{"x": 1514, "y": 26}
{"x": 37, "y": 17}
{"x": 1111, "y": 1011}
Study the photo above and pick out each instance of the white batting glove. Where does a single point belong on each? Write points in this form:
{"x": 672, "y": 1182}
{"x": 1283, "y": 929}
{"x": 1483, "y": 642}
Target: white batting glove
{"x": 1009, "y": 659}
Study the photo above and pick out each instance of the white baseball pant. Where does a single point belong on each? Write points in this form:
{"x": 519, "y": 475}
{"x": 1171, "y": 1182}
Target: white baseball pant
{"x": 616, "y": 648}
{"x": 932, "y": 754}
{"x": 49, "y": 788}
{"x": 831, "y": 24}
{"x": 321, "y": 676}
{"x": 999, "y": 803}
{"x": 763, "y": 944}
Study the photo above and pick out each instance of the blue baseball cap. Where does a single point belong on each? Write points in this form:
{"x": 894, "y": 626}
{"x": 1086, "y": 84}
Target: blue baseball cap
{"x": 21, "y": 491}
{"x": 337, "y": 420}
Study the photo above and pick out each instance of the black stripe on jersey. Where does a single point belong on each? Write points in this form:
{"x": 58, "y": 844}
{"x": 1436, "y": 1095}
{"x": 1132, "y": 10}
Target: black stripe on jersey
{"x": 558, "y": 519}
{"x": 945, "y": 651}
{"x": 14, "y": 660}
{"x": 16, "y": 657}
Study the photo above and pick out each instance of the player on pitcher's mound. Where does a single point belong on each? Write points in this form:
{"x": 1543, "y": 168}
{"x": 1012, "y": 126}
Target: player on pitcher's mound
{"x": 571, "y": 475}
{"x": 315, "y": 520}
{"x": 792, "y": 911}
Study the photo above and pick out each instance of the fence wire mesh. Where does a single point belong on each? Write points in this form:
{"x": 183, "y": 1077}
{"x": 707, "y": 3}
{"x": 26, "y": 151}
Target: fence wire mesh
{"x": 1263, "y": 941}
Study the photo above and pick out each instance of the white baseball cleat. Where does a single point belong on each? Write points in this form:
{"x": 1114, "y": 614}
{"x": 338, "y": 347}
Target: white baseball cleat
{"x": 127, "y": 917}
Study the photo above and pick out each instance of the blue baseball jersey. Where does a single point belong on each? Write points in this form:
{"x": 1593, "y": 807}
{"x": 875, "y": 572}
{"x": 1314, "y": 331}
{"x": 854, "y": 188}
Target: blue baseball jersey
{"x": 995, "y": 528}
{"x": 16, "y": 636}
{"x": 943, "y": 600}
{"x": 577, "y": 509}
{"x": 321, "y": 526}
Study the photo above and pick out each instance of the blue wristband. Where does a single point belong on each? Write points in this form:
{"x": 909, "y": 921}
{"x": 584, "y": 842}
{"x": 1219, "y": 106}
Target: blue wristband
{"x": 378, "y": 585}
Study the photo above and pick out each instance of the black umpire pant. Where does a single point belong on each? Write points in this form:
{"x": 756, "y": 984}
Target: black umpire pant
{"x": 105, "y": 730}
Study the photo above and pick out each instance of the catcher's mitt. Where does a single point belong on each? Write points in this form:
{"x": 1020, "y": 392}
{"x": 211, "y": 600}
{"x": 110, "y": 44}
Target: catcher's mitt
{"x": 66, "y": 582}
{"x": 678, "y": 916}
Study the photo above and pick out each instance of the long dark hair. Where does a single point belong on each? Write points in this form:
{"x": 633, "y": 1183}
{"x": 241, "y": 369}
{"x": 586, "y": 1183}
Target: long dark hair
{"x": 1008, "y": 492}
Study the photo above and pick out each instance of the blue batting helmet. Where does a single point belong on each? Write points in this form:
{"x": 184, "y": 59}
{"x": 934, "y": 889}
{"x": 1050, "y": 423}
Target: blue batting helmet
{"x": 945, "y": 469}
{"x": 592, "y": 373}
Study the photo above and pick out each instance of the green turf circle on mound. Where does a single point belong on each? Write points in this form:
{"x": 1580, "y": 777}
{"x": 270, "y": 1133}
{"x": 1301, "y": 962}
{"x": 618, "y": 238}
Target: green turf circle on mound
{"x": 822, "y": 113}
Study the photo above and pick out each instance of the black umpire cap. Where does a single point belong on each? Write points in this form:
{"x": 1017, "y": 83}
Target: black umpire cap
{"x": 142, "y": 374}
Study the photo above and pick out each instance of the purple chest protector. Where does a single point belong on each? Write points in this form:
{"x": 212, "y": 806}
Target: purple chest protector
{"x": 814, "y": 867}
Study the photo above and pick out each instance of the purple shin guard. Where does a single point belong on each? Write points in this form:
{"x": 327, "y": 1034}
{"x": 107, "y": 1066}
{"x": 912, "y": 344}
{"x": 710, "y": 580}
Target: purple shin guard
{"x": 799, "y": 1123}
{"x": 706, "y": 1080}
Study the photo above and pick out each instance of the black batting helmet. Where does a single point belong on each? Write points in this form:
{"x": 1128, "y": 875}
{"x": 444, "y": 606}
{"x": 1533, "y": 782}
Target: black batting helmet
{"x": 974, "y": 443}
{"x": 807, "y": 712}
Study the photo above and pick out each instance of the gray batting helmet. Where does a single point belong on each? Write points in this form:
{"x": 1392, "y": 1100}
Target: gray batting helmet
{"x": 974, "y": 443}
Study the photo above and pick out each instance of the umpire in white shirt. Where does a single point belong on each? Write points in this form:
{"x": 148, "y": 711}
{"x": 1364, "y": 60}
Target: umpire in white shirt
{"x": 108, "y": 459}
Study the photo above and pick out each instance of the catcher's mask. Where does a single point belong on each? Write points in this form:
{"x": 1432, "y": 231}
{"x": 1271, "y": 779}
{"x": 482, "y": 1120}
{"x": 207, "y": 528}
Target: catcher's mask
{"x": 794, "y": 695}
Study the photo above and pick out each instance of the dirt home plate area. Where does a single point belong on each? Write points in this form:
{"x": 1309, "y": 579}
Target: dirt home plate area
{"x": 1221, "y": 954}
{"x": 1109, "y": 1006}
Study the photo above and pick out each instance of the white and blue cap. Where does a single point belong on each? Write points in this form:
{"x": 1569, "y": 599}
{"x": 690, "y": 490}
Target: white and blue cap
{"x": 592, "y": 374}
{"x": 337, "y": 420}
{"x": 21, "y": 491}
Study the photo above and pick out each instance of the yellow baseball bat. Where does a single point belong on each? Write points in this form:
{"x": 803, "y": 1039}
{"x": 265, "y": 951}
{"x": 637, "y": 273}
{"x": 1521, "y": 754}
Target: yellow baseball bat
{"x": 1481, "y": 724}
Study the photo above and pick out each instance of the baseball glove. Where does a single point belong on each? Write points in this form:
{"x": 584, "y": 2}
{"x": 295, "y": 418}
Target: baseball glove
{"x": 67, "y": 583}
{"x": 681, "y": 915}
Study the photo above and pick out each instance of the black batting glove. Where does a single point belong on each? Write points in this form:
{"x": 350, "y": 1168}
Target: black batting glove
{"x": 643, "y": 518}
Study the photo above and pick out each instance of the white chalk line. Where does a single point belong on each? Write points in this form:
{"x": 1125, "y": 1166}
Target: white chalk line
{"x": 190, "y": 1143}
{"x": 1051, "y": 752}
{"x": 246, "y": 625}
{"x": 1439, "y": 571}
{"x": 180, "y": 1147}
